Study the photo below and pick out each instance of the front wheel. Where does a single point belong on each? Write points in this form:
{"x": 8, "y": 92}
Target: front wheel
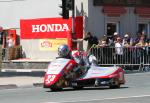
{"x": 54, "y": 89}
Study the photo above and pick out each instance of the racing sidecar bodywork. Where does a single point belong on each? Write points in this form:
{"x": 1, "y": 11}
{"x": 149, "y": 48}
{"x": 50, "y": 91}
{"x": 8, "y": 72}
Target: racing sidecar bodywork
{"x": 63, "y": 73}
{"x": 101, "y": 76}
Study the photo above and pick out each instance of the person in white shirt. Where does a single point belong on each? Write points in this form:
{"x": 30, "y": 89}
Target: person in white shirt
{"x": 119, "y": 50}
{"x": 10, "y": 41}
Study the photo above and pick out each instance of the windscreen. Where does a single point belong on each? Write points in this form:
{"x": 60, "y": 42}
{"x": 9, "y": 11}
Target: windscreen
{"x": 56, "y": 66}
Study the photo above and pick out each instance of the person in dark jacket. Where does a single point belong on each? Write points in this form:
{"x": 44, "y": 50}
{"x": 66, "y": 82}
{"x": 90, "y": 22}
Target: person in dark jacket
{"x": 91, "y": 40}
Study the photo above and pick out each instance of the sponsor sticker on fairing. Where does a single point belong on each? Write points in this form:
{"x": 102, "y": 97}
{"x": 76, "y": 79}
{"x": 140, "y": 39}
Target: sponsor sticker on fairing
{"x": 57, "y": 66}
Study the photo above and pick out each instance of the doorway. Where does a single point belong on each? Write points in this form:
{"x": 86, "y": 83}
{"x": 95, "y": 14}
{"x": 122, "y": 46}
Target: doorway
{"x": 111, "y": 28}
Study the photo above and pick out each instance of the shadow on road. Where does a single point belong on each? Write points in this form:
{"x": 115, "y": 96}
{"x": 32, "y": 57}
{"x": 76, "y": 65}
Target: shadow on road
{"x": 14, "y": 74}
{"x": 85, "y": 89}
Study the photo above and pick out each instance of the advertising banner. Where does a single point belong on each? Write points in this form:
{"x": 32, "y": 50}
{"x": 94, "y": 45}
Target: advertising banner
{"x": 42, "y": 28}
{"x": 51, "y": 44}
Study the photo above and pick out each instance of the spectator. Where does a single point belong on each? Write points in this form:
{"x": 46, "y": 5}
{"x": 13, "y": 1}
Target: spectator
{"x": 102, "y": 43}
{"x": 142, "y": 41}
{"x": 2, "y": 41}
{"x": 105, "y": 37}
{"x": 148, "y": 43}
{"x": 1, "y": 35}
{"x": 115, "y": 36}
{"x": 127, "y": 40}
{"x": 145, "y": 36}
{"x": 110, "y": 41}
{"x": 10, "y": 41}
{"x": 119, "y": 50}
{"x": 136, "y": 40}
{"x": 91, "y": 40}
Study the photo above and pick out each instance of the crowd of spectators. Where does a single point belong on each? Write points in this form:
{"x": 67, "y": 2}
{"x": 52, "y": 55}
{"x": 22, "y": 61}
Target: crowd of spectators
{"x": 117, "y": 47}
{"x": 118, "y": 41}
{"x": 126, "y": 41}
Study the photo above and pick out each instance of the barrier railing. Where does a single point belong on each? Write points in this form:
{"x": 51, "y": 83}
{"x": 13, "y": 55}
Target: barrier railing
{"x": 136, "y": 57}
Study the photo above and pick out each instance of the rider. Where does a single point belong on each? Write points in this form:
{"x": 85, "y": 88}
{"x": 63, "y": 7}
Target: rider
{"x": 65, "y": 52}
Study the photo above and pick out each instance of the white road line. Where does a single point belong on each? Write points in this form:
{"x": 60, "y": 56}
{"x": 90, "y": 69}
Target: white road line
{"x": 102, "y": 99}
{"x": 23, "y": 70}
{"x": 15, "y": 70}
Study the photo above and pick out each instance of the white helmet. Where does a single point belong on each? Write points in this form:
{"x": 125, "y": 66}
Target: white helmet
{"x": 92, "y": 60}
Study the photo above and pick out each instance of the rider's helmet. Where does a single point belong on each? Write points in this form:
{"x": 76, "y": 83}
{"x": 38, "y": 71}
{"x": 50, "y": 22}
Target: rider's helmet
{"x": 63, "y": 50}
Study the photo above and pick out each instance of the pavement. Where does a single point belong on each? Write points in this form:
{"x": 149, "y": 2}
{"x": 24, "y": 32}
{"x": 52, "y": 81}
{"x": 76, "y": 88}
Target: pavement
{"x": 20, "y": 78}
{"x": 22, "y": 73}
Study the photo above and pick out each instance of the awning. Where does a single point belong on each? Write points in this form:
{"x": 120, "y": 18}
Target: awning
{"x": 143, "y": 11}
{"x": 114, "y": 10}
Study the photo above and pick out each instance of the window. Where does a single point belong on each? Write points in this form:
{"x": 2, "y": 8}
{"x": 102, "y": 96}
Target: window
{"x": 112, "y": 27}
{"x": 143, "y": 27}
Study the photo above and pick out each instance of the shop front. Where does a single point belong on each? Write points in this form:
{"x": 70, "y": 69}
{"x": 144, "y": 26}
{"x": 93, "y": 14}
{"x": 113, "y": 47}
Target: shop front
{"x": 123, "y": 16}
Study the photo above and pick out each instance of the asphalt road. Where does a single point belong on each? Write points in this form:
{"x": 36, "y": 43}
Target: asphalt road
{"x": 136, "y": 90}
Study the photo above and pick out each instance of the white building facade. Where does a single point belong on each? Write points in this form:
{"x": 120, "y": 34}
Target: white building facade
{"x": 99, "y": 18}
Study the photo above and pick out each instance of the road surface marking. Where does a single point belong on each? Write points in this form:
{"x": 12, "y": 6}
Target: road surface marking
{"x": 101, "y": 99}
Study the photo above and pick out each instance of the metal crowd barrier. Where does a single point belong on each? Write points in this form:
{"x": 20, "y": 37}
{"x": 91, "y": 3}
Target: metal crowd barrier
{"x": 135, "y": 58}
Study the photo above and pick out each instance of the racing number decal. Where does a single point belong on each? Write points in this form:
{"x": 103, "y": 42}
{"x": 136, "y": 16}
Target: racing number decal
{"x": 50, "y": 78}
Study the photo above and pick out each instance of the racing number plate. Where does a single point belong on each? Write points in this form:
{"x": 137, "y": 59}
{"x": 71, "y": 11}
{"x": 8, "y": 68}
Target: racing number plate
{"x": 50, "y": 78}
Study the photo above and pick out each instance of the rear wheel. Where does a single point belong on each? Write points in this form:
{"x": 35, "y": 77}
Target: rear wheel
{"x": 115, "y": 85}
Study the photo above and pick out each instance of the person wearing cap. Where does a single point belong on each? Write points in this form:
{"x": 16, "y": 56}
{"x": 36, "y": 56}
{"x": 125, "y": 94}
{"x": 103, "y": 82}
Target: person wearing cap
{"x": 127, "y": 40}
{"x": 115, "y": 36}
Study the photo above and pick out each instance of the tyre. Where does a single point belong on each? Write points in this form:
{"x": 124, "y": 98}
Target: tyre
{"x": 77, "y": 87}
{"x": 54, "y": 89}
{"x": 115, "y": 85}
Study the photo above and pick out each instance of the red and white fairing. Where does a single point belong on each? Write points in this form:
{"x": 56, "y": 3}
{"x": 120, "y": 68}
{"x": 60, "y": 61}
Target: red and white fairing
{"x": 66, "y": 73}
{"x": 105, "y": 72}
{"x": 56, "y": 70}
